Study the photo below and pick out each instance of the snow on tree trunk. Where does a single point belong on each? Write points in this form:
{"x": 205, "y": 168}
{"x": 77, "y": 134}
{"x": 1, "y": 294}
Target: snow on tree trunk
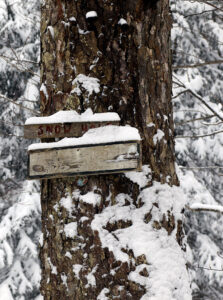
{"x": 117, "y": 236}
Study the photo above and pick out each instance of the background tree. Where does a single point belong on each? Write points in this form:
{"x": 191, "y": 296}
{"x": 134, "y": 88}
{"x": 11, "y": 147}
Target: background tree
{"x": 19, "y": 199}
{"x": 112, "y": 56}
{"x": 197, "y": 39}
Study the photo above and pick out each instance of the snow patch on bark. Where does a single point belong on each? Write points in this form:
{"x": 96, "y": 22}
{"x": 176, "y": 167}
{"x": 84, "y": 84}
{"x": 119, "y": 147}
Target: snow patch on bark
{"x": 122, "y": 21}
{"x": 67, "y": 203}
{"x": 53, "y": 268}
{"x": 164, "y": 260}
{"x": 76, "y": 269}
{"x": 90, "y": 198}
{"x": 68, "y": 254}
{"x": 91, "y": 14}
{"x": 90, "y": 84}
{"x": 91, "y": 278}
{"x": 64, "y": 279}
{"x": 158, "y": 136}
{"x": 141, "y": 178}
{"x": 102, "y": 295}
{"x": 70, "y": 229}
{"x": 44, "y": 90}
{"x": 51, "y": 29}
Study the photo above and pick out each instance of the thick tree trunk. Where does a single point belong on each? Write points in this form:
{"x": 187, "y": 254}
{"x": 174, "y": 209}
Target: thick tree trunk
{"x": 132, "y": 63}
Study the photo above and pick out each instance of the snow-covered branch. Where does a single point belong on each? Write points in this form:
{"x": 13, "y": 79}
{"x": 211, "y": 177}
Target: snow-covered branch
{"x": 206, "y": 207}
{"x": 199, "y": 98}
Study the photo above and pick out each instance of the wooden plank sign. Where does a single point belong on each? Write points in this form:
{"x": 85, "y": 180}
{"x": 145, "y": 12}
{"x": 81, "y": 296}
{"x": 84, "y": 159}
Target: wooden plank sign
{"x": 116, "y": 157}
{"x": 67, "y": 124}
{"x": 59, "y": 130}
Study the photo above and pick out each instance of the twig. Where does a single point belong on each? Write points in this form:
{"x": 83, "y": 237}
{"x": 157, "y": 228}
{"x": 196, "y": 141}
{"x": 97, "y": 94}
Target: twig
{"x": 203, "y": 12}
{"x": 198, "y": 64}
{"x": 208, "y": 3}
{"x": 201, "y": 100}
{"x": 201, "y": 168}
{"x": 191, "y": 110}
{"x": 18, "y": 104}
{"x": 11, "y": 134}
{"x": 13, "y": 181}
{"x": 197, "y": 136}
{"x": 219, "y": 254}
{"x": 194, "y": 120}
{"x": 11, "y": 123}
{"x": 21, "y": 70}
{"x": 209, "y": 269}
{"x": 185, "y": 53}
{"x": 180, "y": 93}
{"x": 211, "y": 4}
{"x": 178, "y": 84}
{"x": 19, "y": 60}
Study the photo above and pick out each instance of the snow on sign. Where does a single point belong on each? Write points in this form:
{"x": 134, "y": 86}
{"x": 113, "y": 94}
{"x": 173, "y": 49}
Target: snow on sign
{"x": 67, "y": 124}
{"x": 104, "y": 150}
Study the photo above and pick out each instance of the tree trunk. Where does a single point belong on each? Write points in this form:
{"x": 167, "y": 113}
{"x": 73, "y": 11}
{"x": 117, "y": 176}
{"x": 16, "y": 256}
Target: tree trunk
{"x": 127, "y": 48}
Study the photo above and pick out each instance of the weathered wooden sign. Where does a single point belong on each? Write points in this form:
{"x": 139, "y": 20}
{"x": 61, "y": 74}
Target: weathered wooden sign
{"x": 59, "y": 130}
{"x": 67, "y": 124}
{"x": 87, "y": 159}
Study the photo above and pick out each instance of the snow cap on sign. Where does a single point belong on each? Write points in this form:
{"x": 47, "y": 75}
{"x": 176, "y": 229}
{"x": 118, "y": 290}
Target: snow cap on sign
{"x": 71, "y": 116}
{"x": 106, "y": 134}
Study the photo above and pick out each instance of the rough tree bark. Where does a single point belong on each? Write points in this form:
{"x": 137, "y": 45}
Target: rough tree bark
{"x": 132, "y": 62}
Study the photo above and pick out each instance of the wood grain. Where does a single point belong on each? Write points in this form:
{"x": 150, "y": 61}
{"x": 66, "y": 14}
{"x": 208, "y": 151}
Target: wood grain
{"x": 60, "y": 130}
{"x": 85, "y": 160}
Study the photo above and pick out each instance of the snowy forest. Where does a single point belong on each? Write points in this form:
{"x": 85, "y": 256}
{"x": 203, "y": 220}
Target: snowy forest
{"x": 197, "y": 47}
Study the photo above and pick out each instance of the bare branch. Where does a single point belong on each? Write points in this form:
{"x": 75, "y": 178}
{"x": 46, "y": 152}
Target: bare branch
{"x": 209, "y": 269}
{"x": 200, "y": 99}
{"x": 20, "y": 69}
{"x": 13, "y": 51}
{"x": 207, "y": 105}
{"x": 219, "y": 254}
{"x": 214, "y": 62}
{"x": 192, "y": 110}
{"x": 178, "y": 84}
{"x": 206, "y": 2}
{"x": 201, "y": 13}
{"x": 197, "y": 136}
{"x": 18, "y": 104}
{"x": 211, "y": 4}
{"x": 11, "y": 123}
{"x": 183, "y": 92}
{"x": 19, "y": 60}
{"x": 194, "y": 120}
{"x": 11, "y": 134}
{"x": 201, "y": 168}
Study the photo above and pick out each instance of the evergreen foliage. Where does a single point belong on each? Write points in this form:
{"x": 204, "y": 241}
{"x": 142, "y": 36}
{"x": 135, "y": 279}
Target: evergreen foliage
{"x": 19, "y": 200}
{"x": 197, "y": 38}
